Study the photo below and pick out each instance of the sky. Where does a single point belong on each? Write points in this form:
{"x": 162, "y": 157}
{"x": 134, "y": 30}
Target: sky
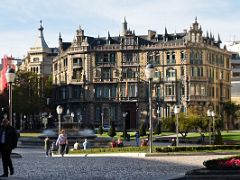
{"x": 20, "y": 19}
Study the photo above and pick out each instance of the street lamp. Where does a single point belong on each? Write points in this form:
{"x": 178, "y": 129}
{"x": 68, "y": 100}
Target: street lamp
{"x": 102, "y": 119}
{"x": 124, "y": 125}
{"x": 158, "y": 113}
{"x": 149, "y": 72}
{"x": 10, "y": 77}
{"x": 72, "y": 116}
{"x": 59, "y": 112}
{"x": 176, "y": 112}
{"x": 211, "y": 113}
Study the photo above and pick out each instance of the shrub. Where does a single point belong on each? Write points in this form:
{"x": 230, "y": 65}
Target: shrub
{"x": 112, "y": 131}
{"x": 197, "y": 148}
{"x": 229, "y": 163}
{"x": 218, "y": 138}
{"x": 100, "y": 130}
{"x": 142, "y": 130}
{"x": 157, "y": 129}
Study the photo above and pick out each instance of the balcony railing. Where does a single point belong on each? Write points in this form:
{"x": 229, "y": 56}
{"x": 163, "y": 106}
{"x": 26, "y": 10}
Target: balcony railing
{"x": 199, "y": 98}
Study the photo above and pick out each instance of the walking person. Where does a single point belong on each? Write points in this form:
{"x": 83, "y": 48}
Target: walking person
{"x": 85, "y": 143}
{"x": 137, "y": 136}
{"x": 62, "y": 142}
{"x": 47, "y": 146}
{"x": 8, "y": 141}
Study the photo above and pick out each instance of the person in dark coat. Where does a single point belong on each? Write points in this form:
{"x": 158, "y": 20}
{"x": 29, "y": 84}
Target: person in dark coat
{"x": 8, "y": 141}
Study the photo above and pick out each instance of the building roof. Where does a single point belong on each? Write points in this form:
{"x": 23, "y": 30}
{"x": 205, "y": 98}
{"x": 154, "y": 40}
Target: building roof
{"x": 40, "y": 43}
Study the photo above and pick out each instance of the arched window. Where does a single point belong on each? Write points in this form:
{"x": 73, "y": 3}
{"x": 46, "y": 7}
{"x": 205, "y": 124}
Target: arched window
{"x": 171, "y": 73}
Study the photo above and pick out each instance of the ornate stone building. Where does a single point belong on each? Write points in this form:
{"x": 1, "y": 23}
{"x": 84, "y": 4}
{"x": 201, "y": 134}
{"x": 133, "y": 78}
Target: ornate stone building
{"x": 39, "y": 57}
{"x": 99, "y": 79}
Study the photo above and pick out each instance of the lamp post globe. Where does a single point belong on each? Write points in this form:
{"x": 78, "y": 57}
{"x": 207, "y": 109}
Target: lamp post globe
{"x": 149, "y": 72}
{"x": 211, "y": 115}
{"x": 10, "y": 77}
{"x": 176, "y": 112}
{"x": 59, "y": 110}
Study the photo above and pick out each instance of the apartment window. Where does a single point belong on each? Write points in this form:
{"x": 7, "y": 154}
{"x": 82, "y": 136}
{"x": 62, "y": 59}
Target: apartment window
{"x": 76, "y": 74}
{"x": 35, "y": 59}
{"x": 132, "y": 90}
{"x": 106, "y": 73}
{"x": 112, "y": 57}
{"x": 63, "y": 92}
{"x": 171, "y": 73}
{"x": 157, "y": 59}
{"x": 106, "y": 92}
{"x": 157, "y": 74}
{"x": 170, "y": 90}
{"x": 182, "y": 71}
{"x": 202, "y": 90}
{"x": 182, "y": 55}
{"x": 98, "y": 92}
{"x": 55, "y": 66}
{"x": 173, "y": 56}
{"x": 128, "y": 57}
{"x": 65, "y": 62}
{"x": 77, "y": 62}
{"x": 192, "y": 90}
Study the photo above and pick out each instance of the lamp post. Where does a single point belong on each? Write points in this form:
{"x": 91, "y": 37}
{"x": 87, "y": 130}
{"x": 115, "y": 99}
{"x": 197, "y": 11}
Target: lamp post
{"x": 176, "y": 112}
{"x": 158, "y": 113}
{"x": 124, "y": 125}
{"x": 10, "y": 77}
{"x": 211, "y": 114}
{"x": 72, "y": 116}
{"x": 59, "y": 112}
{"x": 149, "y": 72}
{"x": 102, "y": 119}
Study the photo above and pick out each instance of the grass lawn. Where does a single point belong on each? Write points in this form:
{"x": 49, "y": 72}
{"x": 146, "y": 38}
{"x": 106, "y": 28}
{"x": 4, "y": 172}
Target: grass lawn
{"x": 30, "y": 134}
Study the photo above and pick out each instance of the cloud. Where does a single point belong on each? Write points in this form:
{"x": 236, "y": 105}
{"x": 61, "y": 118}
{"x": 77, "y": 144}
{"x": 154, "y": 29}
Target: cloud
{"x": 19, "y": 20}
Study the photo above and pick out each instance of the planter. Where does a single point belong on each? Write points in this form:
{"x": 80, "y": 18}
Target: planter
{"x": 200, "y": 174}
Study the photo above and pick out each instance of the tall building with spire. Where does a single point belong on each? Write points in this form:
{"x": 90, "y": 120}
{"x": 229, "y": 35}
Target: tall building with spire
{"x": 99, "y": 79}
{"x": 39, "y": 57}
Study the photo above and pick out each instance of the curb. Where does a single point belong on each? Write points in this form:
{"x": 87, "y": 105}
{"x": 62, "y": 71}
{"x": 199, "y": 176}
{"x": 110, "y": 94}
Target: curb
{"x": 146, "y": 154}
{"x": 104, "y": 155}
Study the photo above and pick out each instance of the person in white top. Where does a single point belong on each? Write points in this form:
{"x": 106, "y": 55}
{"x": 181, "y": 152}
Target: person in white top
{"x": 76, "y": 146}
{"x": 85, "y": 144}
{"x": 62, "y": 142}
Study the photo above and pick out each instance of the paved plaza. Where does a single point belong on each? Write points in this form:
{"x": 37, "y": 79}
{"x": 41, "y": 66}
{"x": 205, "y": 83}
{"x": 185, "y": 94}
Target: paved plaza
{"x": 34, "y": 165}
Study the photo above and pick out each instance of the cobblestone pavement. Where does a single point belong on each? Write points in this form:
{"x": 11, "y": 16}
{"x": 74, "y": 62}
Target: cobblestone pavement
{"x": 34, "y": 165}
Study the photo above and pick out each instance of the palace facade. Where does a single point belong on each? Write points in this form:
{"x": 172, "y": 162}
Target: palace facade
{"x": 102, "y": 79}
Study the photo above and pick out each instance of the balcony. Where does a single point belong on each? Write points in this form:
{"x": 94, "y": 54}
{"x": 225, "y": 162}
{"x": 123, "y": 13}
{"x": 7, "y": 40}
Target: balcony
{"x": 170, "y": 98}
{"x": 198, "y": 98}
{"x": 105, "y": 64}
{"x": 197, "y": 78}
{"x": 101, "y": 80}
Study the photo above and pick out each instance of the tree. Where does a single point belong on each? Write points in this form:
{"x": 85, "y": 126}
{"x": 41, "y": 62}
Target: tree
{"x": 112, "y": 131}
{"x": 185, "y": 123}
{"x": 230, "y": 109}
{"x": 157, "y": 129}
{"x": 100, "y": 130}
{"x": 30, "y": 94}
{"x": 142, "y": 130}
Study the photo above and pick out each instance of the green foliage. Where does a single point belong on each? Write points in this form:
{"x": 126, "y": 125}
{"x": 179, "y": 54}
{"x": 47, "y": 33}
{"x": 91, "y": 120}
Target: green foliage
{"x": 196, "y": 148}
{"x": 142, "y": 130}
{"x": 218, "y": 138}
{"x": 112, "y": 150}
{"x": 157, "y": 129}
{"x": 100, "y": 130}
{"x": 30, "y": 92}
{"x": 112, "y": 131}
{"x": 231, "y": 110}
